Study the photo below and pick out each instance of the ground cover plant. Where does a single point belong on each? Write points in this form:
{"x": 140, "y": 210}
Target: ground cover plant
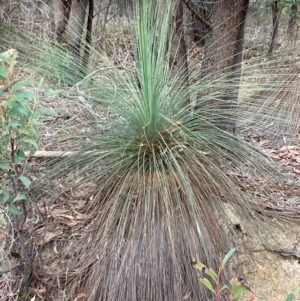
{"x": 230, "y": 289}
{"x": 156, "y": 180}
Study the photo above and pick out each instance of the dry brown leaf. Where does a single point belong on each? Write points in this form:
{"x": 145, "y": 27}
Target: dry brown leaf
{"x": 37, "y": 290}
{"x": 43, "y": 229}
{"x": 81, "y": 295}
{"x": 79, "y": 215}
{"x": 57, "y": 212}
{"x": 263, "y": 142}
{"x": 297, "y": 171}
{"x": 3, "y": 234}
{"x": 47, "y": 238}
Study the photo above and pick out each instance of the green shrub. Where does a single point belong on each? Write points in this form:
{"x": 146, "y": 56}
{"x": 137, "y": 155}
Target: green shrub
{"x": 19, "y": 124}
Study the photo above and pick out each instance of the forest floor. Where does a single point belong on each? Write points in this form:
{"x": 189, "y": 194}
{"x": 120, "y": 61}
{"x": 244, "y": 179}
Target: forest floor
{"x": 271, "y": 260}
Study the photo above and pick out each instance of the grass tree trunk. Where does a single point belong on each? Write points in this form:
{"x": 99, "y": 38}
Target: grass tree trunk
{"x": 223, "y": 56}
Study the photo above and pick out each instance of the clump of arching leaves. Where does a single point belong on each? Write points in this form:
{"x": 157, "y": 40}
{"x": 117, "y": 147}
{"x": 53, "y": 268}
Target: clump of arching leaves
{"x": 156, "y": 179}
{"x": 20, "y": 120}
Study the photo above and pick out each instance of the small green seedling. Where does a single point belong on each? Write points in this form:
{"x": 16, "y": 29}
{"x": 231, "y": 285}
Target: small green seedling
{"x": 232, "y": 289}
{"x": 292, "y": 296}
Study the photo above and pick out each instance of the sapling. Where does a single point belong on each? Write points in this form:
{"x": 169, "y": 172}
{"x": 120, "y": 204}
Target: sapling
{"x": 232, "y": 289}
{"x": 20, "y": 120}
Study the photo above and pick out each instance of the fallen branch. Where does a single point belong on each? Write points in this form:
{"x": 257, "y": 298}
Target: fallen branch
{"x": 49, "y": 154}
{"x": 283, "y": 252}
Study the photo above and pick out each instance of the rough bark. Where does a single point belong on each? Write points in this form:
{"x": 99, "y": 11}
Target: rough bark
{"x": 275, "y": 18}
{"x": 292, "y": 25}
{"x": 88, "y": 38}
{"x": 182, "y": 50}
{"x": 63, "y": 9}
{"x": 223, "y": 54}
{"x": 70, "y": 21}
{"x": 76, "y": 25}
{"x": 201, "y": 27}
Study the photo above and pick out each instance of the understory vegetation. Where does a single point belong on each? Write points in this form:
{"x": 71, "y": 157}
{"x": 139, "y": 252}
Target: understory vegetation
{"x": 142, "y": 167}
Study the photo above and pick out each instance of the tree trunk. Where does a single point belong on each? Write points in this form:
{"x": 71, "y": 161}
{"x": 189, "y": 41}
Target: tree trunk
{"x": 88, "y": 38}
{"x": 200, "y": 29}
{"x": 223, "y": 56}
{"x": 182, "y": 51}
{"x": 76, "y": 25}
{"x": 292, "y": 25}
{"x": 63, "y": 9}
{"x": 275, "y": 18}
{"x": 70, "y": 20}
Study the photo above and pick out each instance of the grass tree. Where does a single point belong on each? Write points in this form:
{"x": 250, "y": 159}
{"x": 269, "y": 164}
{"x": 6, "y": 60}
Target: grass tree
{"x": 155, "y": 180}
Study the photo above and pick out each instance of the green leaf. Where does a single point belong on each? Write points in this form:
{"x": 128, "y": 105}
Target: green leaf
{"x": 23, "y": 111}
{"x": 44, "y": 112}
{"x": 14, "y": 210}
{"x": 13, "y": 124}
{"x": 21, "y": 196}
{"x": 20, "y": 153}
{"x": 210, "y": 272}
{"x": 238, "y": 290}
{"x": 3, "y": 57}
{"x": 19, "y": 160}
{"x": 26, "y": 182}
{"x": 31, "y": 141}
{"x": 41, "y": 83}
{"x": 1, "y": 273}
{"x": 9, "y": 56}
{"x": 208, "y": 284}
{"x": 52, "y": 93}
{"x": 34, "y": 122}
{"x": 227, "y": 256}
{"x": 199, "y": 266}
{"x": 225, "y": 286}
{"x": 3, "y": 221}
{"x": 25, "y": 104}
{"x": 5, "y": 140}
{"x": 31, "y": 131}
{"x": 20, "y": 84}
{"x": 25, "y": 95}
{"x": 16, "y": 255}
{"x": 3, "y": 72}
{"x": 5, "y": 196}
{"x": 4, "y": 164}
{"x": 290, "y": 297}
